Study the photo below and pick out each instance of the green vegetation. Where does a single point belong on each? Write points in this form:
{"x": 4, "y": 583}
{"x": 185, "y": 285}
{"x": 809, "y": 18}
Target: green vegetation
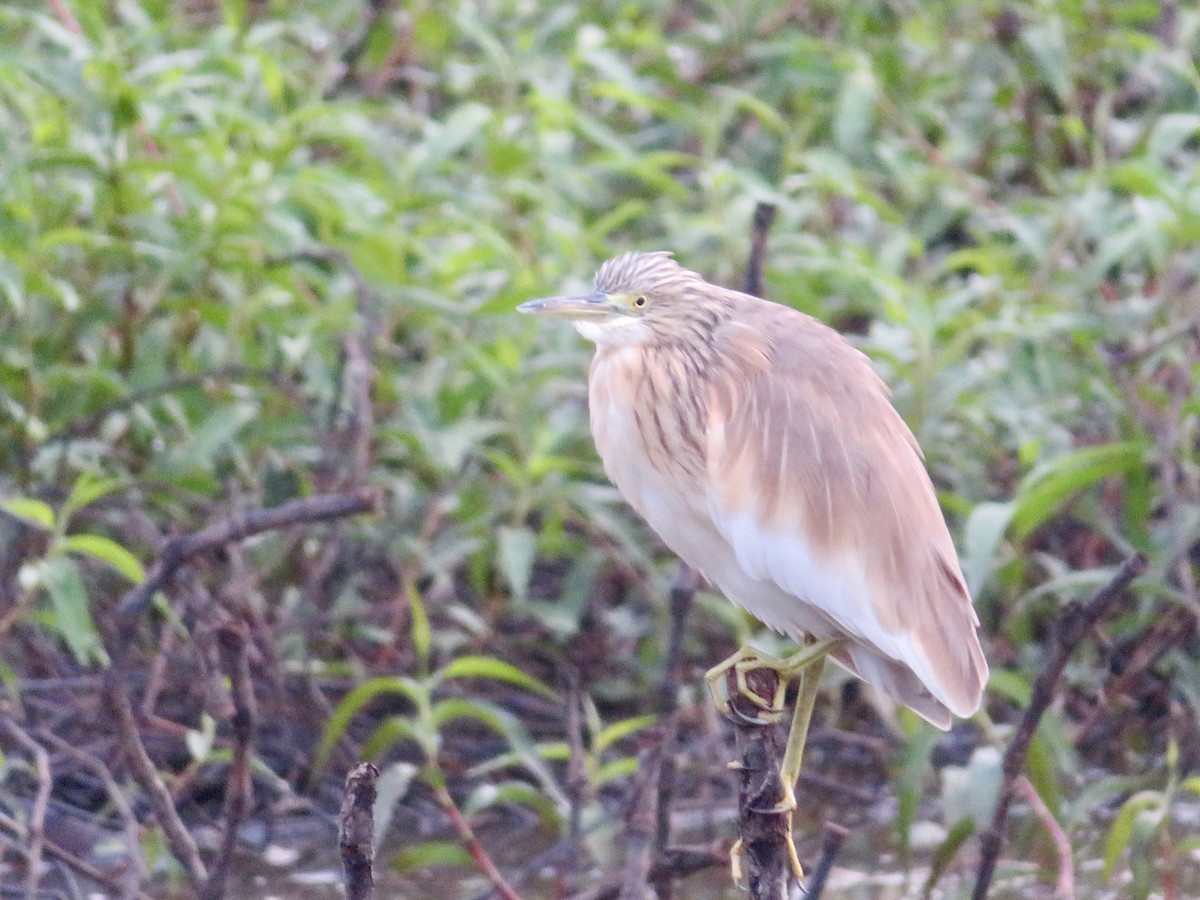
{"x": 253, "y": 251}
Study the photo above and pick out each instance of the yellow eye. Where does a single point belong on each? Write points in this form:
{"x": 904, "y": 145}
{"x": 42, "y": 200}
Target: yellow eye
{"x": 639, "y": 301}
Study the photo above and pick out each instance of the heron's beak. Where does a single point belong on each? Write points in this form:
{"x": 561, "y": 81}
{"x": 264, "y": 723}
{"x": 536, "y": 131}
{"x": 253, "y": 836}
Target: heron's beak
{"x": 591, "y": 306}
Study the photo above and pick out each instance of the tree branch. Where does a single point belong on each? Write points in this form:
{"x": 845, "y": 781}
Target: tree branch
{"x": 238, "y": 527}
{"x": 1075, "y": 622}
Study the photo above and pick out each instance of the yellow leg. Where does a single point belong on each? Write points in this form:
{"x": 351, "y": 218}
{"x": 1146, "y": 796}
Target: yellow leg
{"x": 806, "y": 665}
{"x": 806, "y": 699}
{"x": 748, "y": 659}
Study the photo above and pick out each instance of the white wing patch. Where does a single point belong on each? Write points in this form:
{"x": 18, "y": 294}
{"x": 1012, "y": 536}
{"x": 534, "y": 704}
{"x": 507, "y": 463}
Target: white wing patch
{"x": 837, "y": 588}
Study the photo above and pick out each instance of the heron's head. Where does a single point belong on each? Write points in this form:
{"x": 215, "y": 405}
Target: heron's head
{"x": 636, "y": 296}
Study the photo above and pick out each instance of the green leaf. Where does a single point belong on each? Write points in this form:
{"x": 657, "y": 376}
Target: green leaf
{"x": 1171, "y": 132}
{"x": 33, "y": 511}
{"x": 981, "y": 541}
{"x": 615, "y": 770}
{"x": 519, "y": 793}
{"x": 431, "y": 853}
{"x": 107, "y": 551}
{"x": 1122, "y": 827}
{"x": 495, "y": 670}
{"x": 946, "y": 851}
{"x": 1043, "y": 773}
{"x": 1010, "y": 684}
{"x": 914, "y": 764}
{"x": 353, "y": 702}
{"x": 517, "y": 548}
{"x": 86, "y": 490}
{"x": 390, "y": 731}
{"x": 527, "y": 754}
{"x": 452, "y": 708}
{"x": 610, "y": 734}
{"x": 422, "y": 637}
{"x": 1049, "y": 487}
{"x": 855, "y": 110}
{"x": 69, "y": 601}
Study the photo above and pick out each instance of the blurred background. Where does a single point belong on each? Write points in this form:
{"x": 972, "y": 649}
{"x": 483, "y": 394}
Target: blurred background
{"x": 257, "y": 253}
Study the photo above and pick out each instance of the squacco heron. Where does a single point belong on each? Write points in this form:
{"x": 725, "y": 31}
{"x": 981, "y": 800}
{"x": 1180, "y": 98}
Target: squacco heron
{"x": 764, "y": 451}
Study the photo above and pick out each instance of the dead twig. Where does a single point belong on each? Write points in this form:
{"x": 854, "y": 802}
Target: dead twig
{"x": 35, "y": 830}
{"x": 1074, "y": 624}
{"x": 1173, "y": 627}
{"x": 356, "y": 831}
{"x": 764, "y": 833}
{"x": 640, "y": 825}
{"x": 578, "y": 783}
{"x": 136, "y": 870}
{"x": 683, "y": 594}
{"x": 1062, "y": 844}
{"x": 357, "y": 46}
{"x": 232, "y": 640}
{"x": 240, "y": 526}
{"x": 183, "y": 847}
{"x": 671, "y": 864}
{"x": 466, "y": 836}
{"x": 69, "y": 859}
{"x": 764, "y": 218}
{"x": 831, "y": 844}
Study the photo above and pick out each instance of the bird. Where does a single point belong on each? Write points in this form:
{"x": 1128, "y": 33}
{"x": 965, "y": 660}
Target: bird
{"x": 765, "y": 452}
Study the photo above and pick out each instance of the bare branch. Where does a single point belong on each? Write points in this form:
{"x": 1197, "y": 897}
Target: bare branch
{"x": 232, "y": 641}
{"x": 1066, "y": 870}
{"x": 1074, "y": 624}
{"x": 240, "y": 526}
{"x": 41, "y": 801}
{"x": 183, "y": 847}
{"x": 356, "y": 831}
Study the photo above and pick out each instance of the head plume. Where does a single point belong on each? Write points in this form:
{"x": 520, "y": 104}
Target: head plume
{"x": 654, "y": 272}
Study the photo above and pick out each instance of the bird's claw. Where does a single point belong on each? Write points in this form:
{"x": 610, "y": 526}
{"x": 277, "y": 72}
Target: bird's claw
{"x": 735, "y": 864}
{"x": 738, "y": 873}
{"x": 786, "y": 804}
{"x": 741, "y": 663}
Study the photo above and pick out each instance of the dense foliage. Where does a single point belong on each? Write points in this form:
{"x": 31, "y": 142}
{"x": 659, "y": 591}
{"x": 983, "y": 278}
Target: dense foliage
{"x": 258, "y": 251}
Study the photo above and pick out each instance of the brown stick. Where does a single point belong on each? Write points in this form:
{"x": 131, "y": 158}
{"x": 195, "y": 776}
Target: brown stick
{"x": 640, "y": 826}
{"x": 764, "y": 218}
{"x": 69, "y": 859}
{"x": 231, "y": 638}
{"x": 1066, "y": 870}
{"x": 1074, "y": 623}
{"x": 356, "y": 831}
{"x": 683, "y": 594}
{"x": 36, "y": 830}
{"x": 467, "y": 836}
{"x": 183, "y": 847}
{"x": 240, "y": 526}
{"x": 579, "y": 788}
{"x": 831, "y": 843}
{"x": 764, "y": 833}
{"x": 357, "y": 46}
{"x": 136, "y": 869}
{"x": 673, "y": 863}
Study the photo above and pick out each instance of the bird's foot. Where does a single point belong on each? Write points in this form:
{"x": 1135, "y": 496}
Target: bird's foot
{"x": 741, "y": 663}
{"x": 737, "y": 871}
{"x": 787, "y": 800}
{"x": 749, "y": 660}
{"x": 793, "y": 856}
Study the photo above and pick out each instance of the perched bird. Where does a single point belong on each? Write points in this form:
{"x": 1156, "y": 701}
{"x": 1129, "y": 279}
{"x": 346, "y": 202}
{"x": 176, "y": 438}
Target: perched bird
{"x": 764, "y": 451}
